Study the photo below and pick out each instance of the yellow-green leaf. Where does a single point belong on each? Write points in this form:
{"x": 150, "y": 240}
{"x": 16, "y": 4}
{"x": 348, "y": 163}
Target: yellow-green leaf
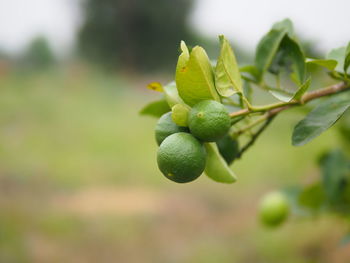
{"x": 155, "y": 108}
{"x": 171, "y": 95}
{"x": 216, "y": 167}
{"x": 329, "y": 64}
{"x": 282, "y": 95}
{"x": 287, "y": 96}
{"x": 227, "y": 76}
{"x": 156, "y": 86}
{"x": 338, "y": 54}
{"x": 195, "y": 76}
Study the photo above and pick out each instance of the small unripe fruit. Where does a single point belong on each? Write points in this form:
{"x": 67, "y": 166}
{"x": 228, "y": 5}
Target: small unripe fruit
{"x": 274, "y": 209}
{"x": 180, "y": 114}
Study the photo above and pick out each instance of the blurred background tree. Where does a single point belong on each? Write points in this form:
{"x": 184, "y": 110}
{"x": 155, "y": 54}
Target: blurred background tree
{"x": 38, "y": 55}
{"x": 141, "y": 35}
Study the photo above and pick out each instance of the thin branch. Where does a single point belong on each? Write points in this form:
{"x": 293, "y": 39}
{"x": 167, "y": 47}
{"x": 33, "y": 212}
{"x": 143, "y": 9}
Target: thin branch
{"x": 255, "y": 136}
{"x": 274, "y": 109}
{"x": 252, "y": 124}
{"x": 237, "y": 120}
{"x": 336, "y": 88}
{"x": 278, "y": 107}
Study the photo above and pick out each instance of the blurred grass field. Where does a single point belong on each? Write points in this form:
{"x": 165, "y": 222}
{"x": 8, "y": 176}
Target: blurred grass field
{"x": 79, "y": 183}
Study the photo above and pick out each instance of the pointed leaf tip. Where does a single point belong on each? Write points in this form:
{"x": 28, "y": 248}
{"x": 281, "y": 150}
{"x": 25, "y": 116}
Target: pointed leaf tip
{"x": 155, "y": 108}
{"x": 329, "y": 64}
{"x": 320, "y": 119}
{"x": 227, "y": 75}
{"x": 194, "y": 76}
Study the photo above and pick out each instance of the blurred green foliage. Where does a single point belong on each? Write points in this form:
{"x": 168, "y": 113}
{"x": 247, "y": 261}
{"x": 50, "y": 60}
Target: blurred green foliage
{"x": 38, "y": 55}
{"x": 79, "y": 183}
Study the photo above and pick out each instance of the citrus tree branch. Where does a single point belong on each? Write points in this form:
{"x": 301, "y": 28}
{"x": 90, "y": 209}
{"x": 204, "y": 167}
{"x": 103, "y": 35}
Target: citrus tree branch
{"x": 255, "y": 136}
{"x": 273, "y": 109}
{"x": 251, "y": 125}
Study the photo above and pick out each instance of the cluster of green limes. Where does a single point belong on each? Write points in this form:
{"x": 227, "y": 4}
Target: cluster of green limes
{"x": 181, "y": 133}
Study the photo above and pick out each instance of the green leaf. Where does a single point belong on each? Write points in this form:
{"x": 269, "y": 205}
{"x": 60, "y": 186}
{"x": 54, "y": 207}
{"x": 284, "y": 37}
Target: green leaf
{"x": 282, "y": 95}
{"x": 267, "y": 49}
{"x": 312, "y": 197}
{"x": 335, "y": 168}
{"x": 279, "y": 50}
{"x": 195, "y": 76}
{"x": 347, "y": 58}
{"x": 337, "y": 75}
{"x": 290, "y": 58}
{"x": 320, "y": 119}
{"x": 247, "y": 90}
{"x": 338, "y": 54}
{"x": 155, "y": 108}
{"x": 329, "y": 64}
{"x": 216, "y": 167}
{"x": 302, "y": 89}
{"x": 227, "y": 76}
{"x": 171, "y": 95}
{"x": 286, "y": 25}
{"x": 250, "y": 73}
{"x": 286, "y": 96}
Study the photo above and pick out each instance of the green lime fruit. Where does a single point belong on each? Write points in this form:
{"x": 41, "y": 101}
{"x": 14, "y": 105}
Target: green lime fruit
{"x": 209, "y": 120}
{"x": 228, "y": 148}
{"x": 274, "y": 209}
{"x": 165, "y": 127}
{"x": 181, "y": 157}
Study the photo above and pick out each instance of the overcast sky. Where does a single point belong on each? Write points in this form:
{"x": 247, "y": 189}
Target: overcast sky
{"x": 325, "y": 21}
{"x": 21, "y": 20}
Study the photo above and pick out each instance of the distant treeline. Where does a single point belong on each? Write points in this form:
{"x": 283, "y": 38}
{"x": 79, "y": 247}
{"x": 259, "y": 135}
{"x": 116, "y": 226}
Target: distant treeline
{"x": 136, "y": 35}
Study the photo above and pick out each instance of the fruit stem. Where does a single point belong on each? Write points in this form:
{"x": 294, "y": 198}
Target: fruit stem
{"x": 255, "y": 136}
{"x": 251, "y": 125}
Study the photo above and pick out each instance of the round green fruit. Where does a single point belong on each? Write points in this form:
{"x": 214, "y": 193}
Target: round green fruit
{"x": 274, "y": 209}
{"x": 228, "y": 148}
{"x": 165, "y": 127}
{"x": 209, "y": 120}
{"x": 181, "y": 157}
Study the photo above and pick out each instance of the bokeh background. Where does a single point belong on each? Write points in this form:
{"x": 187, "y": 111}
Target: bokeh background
{"x": 78, "y": 175}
